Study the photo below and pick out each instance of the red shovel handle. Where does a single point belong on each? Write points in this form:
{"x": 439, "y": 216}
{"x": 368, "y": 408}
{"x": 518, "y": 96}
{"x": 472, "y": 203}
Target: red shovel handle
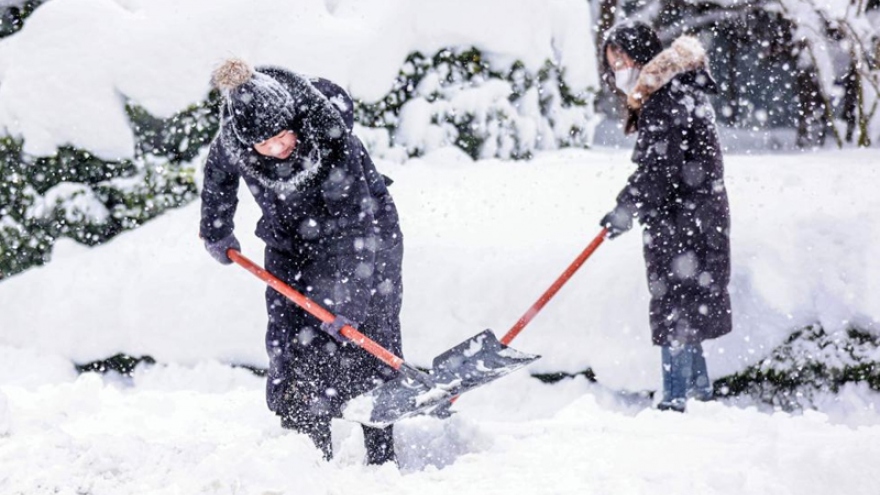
{"x": 317, "y": 311}
{"x": 549, "y": 293}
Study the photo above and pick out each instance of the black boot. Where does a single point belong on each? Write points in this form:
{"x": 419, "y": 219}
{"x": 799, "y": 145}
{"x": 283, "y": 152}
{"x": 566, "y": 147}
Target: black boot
{"x": 380, "y": 445}
{"x": 677, "y": 405}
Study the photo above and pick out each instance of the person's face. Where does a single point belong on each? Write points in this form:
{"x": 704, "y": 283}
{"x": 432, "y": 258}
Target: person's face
{"x": 278, "y": 146}
{"x": 618, "y": 60}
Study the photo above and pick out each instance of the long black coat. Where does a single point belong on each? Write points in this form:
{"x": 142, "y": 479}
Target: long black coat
{"x": 679, "y": 196}
{"x": 331, "y": 231}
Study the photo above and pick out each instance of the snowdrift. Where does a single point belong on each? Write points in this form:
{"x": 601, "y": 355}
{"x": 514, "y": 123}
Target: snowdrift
{"x": 482, "y": 241}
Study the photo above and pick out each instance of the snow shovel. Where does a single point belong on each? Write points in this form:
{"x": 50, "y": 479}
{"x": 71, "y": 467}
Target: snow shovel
{"x": 443, "y": 409}
{"x": 476, "y": 361}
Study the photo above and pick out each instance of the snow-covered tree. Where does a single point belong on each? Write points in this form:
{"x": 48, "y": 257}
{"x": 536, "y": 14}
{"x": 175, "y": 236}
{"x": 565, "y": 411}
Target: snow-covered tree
{"x": 814, "y": 65}
{"x": 837, "y": 43}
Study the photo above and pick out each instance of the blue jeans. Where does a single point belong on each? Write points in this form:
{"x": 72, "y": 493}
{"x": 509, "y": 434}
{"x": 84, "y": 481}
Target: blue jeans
{"x": 684, "y": 373}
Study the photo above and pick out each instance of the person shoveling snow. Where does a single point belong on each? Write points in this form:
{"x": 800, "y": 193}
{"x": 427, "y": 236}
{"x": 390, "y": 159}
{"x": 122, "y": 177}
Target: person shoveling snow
{"x": 678, "y": 195}
{"x": 331, "y": 230}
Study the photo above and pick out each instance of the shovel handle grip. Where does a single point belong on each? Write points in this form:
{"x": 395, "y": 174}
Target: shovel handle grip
{"x": 317, "y": 311}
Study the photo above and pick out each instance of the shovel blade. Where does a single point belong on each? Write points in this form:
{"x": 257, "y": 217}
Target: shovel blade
{"x": 475, "y": 362}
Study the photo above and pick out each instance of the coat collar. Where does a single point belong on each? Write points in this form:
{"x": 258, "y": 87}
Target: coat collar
{"x": 322, "y": 132}
{"x": 686, "y": 54}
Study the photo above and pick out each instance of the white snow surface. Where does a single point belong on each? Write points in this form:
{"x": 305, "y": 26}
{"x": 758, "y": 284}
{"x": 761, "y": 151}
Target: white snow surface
{"x": 175, "y": 430}
{"x": 483, "y": 241}
{"x": 65, "y": 76}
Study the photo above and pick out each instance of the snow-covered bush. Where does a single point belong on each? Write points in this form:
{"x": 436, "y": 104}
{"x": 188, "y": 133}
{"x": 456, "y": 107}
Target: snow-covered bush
{"x": 809, "y": 363}
{"x": 119, "y": 363}
{"x": 13, "y": 14}
{"x": 93, "y": 100}
{"x": 456, "y": 97}
{"x": 78, "y": 195}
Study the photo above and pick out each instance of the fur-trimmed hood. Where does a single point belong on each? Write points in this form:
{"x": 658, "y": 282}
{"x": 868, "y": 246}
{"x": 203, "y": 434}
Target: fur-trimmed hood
{"x": 686, "y": 54}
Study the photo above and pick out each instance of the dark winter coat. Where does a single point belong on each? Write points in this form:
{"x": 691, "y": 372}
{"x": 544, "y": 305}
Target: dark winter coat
{"x": 678, "y": 194}
{"x": 331, "y": 232}
{"x": 326, "y": 201}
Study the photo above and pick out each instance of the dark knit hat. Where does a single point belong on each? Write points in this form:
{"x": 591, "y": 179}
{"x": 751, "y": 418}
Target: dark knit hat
{"x": 256, "y": 105}
{"x": 641, "y": 43}
{"x": 636, "y": 39}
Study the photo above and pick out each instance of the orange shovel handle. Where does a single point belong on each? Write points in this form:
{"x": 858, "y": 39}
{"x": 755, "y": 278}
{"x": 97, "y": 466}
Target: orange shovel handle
{"x": 317, "y": 311}
{"x": 549, "y": 293}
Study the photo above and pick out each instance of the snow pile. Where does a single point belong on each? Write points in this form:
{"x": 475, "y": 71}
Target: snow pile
{"x": 30, "y": 368}
{"x": 4, "y": 415}
{"x": 483, "y": 241}
{"x": 159, "y": 53}
{"x": 103, "y": 439}
{"x": 206, "y": 430}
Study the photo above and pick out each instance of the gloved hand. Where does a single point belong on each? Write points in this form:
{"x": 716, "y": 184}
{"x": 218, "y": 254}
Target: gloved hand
{"x": 334, "y": 327}
{"x": 617, "y": 221}
{"x": 218, "y": 248}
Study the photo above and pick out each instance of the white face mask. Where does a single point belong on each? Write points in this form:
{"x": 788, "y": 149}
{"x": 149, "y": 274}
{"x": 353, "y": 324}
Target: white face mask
{"x": 626, "y": 79}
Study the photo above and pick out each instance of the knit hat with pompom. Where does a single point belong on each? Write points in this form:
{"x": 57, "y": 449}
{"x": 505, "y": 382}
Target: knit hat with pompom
{"x": 257, "y": 106}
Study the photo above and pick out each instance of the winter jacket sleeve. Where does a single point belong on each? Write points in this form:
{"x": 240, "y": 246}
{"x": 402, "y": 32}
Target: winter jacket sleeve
{"x": 219, "y": 195}
{"x": 344, "y": 104}
{"x": 350, "y": 242}
{"x": 659, "y": 155}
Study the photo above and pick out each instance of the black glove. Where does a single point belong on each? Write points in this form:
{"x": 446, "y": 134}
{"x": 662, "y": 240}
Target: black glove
{"x": 617, "y": 221}
{"x": 218, "y": 248}
{"x": 334, "y": 327}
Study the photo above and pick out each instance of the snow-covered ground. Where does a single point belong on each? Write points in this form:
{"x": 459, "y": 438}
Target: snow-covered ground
{"x": 483, "y": 240}
{"x": 204, "y": 430}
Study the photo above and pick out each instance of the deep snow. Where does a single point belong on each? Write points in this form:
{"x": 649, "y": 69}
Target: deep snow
{"x": 204, "y": 429}
{"x": 483, "y": 240}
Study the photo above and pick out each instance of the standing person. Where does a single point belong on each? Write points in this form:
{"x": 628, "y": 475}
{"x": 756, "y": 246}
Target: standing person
{"x": 677, "y": 193}
{"x": 331, "y": 231}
